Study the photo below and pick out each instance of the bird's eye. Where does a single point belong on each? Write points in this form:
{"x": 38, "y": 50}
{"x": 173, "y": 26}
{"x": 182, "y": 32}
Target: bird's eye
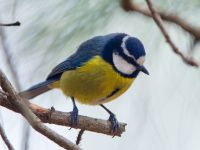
{"x": 116, "y": 52}
{"x": 141, "y": 60}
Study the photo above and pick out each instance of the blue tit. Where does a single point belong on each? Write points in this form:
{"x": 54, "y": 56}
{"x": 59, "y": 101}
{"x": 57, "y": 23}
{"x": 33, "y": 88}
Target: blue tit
{"x": 101, "y": 69}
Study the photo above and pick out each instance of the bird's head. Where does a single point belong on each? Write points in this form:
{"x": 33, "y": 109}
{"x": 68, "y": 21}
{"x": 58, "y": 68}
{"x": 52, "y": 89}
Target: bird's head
{"x": 127, "y": 55}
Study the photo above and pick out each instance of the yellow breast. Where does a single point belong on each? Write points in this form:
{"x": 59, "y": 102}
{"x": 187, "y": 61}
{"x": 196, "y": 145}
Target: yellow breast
{"x": 95, "y": 82}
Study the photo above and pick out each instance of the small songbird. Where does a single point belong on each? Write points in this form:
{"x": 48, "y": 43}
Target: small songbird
{"x": 102, "y": 69}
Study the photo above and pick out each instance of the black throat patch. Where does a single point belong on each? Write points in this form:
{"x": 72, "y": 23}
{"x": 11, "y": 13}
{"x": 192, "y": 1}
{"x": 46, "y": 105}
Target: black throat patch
{"x": 110, "y": 95}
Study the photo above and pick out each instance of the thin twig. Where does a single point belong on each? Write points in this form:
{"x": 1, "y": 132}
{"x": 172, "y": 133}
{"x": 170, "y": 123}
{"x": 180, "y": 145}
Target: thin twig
{"x": 160, "y": 24}
{"x": 79, "y": 137}
{"x": 129, "y": 5}
{"x": 15, "y": 76}
{"x": 33, "y": 120}
{"x": 17, "y": 23}
{"x": 62, "y": 118}
{"x": 5, "y": 139}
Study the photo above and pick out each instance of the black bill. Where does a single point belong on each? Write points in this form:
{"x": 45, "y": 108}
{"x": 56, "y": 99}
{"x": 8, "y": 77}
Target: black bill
{"x": 143, "y": 69}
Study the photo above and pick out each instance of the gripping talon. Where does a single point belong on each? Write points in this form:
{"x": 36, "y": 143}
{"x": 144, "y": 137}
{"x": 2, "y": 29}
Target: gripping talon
{"x": 113, "y": 120}
{"x": 74, "y": 116}
{"x": 114, "y": 123}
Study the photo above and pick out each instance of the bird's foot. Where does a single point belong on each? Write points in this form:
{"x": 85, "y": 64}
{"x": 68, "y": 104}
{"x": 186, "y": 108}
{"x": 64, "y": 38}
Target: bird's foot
{"x": 114, "y": 123}
{"x": 74, "y": 117}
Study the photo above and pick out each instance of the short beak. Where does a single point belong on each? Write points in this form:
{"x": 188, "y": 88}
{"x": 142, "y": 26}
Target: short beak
{"x": 143, "y": 69}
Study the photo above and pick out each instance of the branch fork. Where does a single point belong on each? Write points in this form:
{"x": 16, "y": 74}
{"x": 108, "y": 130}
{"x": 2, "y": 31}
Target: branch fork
{"x": 37, "y": 116}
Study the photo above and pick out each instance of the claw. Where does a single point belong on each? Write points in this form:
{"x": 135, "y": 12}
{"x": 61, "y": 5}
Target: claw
{"x": 114, "y": 123}
{"x": 113, "y": 120}
{"x": 74, "y": 117}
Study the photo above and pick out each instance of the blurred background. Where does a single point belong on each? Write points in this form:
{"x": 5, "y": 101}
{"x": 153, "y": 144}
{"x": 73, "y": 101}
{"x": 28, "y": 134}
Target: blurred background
{"x": 161, "y": 110}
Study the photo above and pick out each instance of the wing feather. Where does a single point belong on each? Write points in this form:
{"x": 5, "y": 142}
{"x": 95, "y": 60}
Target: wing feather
{"x": 85, "y": 52}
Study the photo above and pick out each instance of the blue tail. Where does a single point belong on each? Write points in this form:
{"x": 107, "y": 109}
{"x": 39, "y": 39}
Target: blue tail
{"x": 36, "y": 90}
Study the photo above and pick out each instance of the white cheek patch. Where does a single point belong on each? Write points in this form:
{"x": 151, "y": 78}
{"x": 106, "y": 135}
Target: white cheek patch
{"x": 122, "y": 65}
{"x": 141, "y": 60}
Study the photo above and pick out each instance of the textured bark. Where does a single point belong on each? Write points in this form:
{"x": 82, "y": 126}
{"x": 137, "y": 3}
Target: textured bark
{"x": 22, "y": 106}
{"x": 52, "y": 116}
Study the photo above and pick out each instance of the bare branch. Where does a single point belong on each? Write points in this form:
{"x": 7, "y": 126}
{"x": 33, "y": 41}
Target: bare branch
{"x": 159, "y": 22}
{"x": 5, "y": 139}
{"x": 34, "y": 121}
{"x": 79, "y": 137}
{"x": 129, "y": 5}
{"x": 17, "y": 23}
{"x": 15, "y": 76}
{"x": 63, "y": 118}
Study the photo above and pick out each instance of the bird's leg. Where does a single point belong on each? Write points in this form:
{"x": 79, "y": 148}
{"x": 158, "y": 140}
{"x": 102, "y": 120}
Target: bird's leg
{"x": 74, "y": 113}
{"x": 112, "y": 119}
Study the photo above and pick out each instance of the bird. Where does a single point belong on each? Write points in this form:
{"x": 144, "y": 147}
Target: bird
{"x": 101, "y": 69}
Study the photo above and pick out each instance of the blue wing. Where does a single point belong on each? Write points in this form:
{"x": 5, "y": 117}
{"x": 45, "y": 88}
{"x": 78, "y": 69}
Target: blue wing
{"x": 85, "y": 52}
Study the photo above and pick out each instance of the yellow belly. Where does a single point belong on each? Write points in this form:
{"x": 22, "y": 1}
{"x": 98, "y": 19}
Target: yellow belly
{"x": 93, "y": 82}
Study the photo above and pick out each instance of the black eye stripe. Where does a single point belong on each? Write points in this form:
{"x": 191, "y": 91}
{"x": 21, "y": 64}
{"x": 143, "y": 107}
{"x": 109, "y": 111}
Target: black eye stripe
{"x": 127, "y": 58}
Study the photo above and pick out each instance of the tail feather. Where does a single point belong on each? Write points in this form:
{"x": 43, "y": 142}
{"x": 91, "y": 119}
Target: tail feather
{"x": 36, "y": 90}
